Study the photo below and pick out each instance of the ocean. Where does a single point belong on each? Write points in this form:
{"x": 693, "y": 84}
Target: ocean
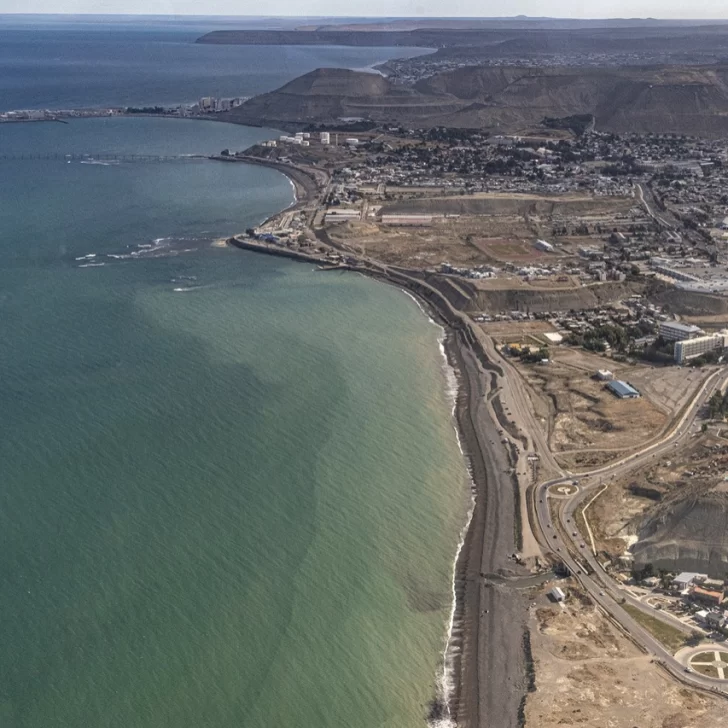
{"x": 55, "y": 62}
{"x": 232, "y": 492}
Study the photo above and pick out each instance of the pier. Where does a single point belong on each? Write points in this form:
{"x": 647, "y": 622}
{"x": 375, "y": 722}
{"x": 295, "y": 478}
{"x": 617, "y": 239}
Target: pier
{"x": 101, "y": 157}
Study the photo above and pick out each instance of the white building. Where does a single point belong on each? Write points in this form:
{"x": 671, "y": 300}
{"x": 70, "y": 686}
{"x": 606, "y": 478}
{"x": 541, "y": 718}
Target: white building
{"x": 604, "y": 375}
{"x": 692, "y": 348}
{"x": 686, "y": 579}
{"x": 674, "y": 331}
{"x": 543, "y": 245}
{"x": 325, "y": 137}
{"x": 557, "y": 594}
{"x": 406, "y": 219}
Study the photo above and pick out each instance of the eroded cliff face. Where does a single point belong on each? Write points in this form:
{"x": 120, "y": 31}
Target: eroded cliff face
{"x": 687, "y": 532}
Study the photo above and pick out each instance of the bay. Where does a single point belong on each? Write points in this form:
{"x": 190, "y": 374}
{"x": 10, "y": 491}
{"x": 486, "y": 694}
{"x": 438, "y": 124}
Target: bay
{"x": 76, "y": 63}
{"x": 231, "y": 487}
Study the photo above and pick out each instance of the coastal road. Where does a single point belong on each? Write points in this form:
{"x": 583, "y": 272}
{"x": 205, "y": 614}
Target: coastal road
{"x": 643, "y": 200}
{"x": 567, "y": 544}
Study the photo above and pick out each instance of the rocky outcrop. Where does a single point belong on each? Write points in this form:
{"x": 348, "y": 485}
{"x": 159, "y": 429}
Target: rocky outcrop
{"x": 687, "y": 534}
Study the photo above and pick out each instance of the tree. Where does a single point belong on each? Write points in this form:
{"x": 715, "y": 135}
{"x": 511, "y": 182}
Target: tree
{"x": 695, "y": 638}
{"x": 665, "y": 579}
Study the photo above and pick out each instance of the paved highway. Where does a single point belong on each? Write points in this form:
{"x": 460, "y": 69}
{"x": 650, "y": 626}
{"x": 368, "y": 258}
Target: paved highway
{"x": 573, "y": 551}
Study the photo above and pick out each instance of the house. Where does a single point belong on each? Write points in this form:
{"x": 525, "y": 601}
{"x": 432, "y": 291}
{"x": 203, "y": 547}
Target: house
{"x": 715, "y": 620}
{"x": 702, "y": 616}
{"x": 604, "y": 375}
{"x": 709, "y": 597}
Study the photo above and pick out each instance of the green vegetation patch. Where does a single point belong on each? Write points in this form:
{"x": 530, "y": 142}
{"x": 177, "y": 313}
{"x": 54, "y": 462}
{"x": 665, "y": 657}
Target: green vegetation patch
{"x": 670, "y": 636}
{"x": 706, "y": 670}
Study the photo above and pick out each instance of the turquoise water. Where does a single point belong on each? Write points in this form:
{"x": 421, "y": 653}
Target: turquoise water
{"x": 231, "y": 488}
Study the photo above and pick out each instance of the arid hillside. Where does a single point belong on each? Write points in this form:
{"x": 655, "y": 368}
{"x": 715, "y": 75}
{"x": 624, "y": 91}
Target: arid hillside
{"x": 687, "y": 533}
{"x": 686, "y": 100}
{"x": 329, "y": 94}
{"x": 669, "y": 99}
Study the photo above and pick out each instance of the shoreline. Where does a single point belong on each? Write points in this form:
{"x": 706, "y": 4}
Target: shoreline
{"x": 483, "y": 669}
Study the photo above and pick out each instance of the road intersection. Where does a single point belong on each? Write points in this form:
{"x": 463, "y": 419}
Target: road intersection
{"x": 565, "y": 542}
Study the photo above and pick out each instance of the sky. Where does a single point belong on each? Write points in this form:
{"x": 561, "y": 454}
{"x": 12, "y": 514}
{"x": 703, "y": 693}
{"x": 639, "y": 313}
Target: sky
{"x": 384, "y": 8}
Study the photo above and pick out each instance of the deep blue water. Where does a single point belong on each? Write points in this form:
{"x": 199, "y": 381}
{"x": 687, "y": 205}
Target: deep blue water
{"x": 74, "y": 64}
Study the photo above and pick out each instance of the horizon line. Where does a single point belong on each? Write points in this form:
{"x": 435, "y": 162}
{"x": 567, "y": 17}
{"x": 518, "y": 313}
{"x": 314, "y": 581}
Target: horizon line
{"x": 365, "y": 17}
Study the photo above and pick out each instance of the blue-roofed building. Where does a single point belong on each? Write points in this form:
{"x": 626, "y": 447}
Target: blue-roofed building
{"x": 622, "y": 389}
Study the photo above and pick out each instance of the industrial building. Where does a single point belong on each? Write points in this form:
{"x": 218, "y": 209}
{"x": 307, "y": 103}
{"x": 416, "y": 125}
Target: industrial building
{"x": 408, "y": 219}
{"x": 604, "y": 375}
{"x": 557, "y": 594}
{"x": 342, "y": 214}
{"x": 622, "y": 389}
{"x": 543, "y": 245}
{"x": 674, "y": 331}
{"x": 692, "y": 348}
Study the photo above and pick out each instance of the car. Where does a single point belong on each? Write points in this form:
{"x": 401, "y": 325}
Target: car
{"x": 601, "y": 593}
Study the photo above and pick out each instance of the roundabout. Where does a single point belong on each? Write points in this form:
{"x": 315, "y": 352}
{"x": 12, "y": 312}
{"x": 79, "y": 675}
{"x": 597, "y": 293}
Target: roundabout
{"x": 563, "y": 490}
{"x": 707, "y": 660}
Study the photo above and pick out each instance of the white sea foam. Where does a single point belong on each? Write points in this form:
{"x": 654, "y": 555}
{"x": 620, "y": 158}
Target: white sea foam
{"x": 92, "y": 265}
{"x": 446, "y": 679}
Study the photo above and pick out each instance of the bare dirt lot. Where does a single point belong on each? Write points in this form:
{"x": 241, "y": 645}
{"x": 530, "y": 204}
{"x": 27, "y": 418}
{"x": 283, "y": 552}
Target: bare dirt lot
{"x": 413, "y": 247}
{"x": 589, "y": 675}
{"x": 524, "y": 332}
{"x": 480, "y": 229}
{"x": 588, "y": 424}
